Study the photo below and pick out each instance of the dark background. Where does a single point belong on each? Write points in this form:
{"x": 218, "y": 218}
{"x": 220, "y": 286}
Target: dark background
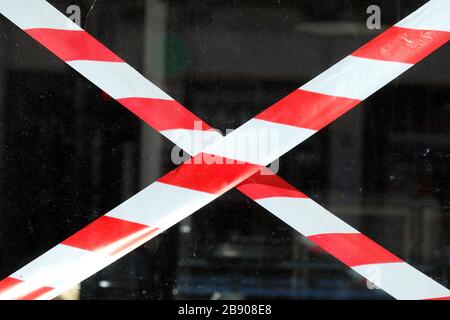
{"x": 68, "y": 153}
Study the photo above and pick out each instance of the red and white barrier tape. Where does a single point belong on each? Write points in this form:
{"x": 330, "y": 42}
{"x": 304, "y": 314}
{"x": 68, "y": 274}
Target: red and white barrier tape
{"x": 435, "y": 39}
{"x": 378, "y": 265}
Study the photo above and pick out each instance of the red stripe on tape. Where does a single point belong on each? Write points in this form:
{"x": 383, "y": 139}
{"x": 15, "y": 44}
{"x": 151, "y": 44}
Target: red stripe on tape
{"x": 164, "y": 114}
{"x": 354, "y": 249}
{"x": 442, "y": 298}
{"x": 71, "y": 45}
{"x": 209, "y": 173}
{"x": 269, "y": 185}
{"x": 109, "y": 235}
{"x": 403, "y": 45}
{"x": 11, "y": 284}
{"x": 307, "y": 109}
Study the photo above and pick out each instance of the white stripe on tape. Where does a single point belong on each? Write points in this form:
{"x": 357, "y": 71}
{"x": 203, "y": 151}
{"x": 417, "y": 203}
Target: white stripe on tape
{"x": 402, "y": 281}
{"x": 161, "y": 205}
{"x": 28, "y": 14}
{"x": 305, "y": 216}
{"x": 259, "y": 142}
{"x": 118, "y": 79}
{"x": 62, "y": 267}
{"x": 192, "y": 141}
{"x": 355, "y": 77}
{"x": 434, "y": 15}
